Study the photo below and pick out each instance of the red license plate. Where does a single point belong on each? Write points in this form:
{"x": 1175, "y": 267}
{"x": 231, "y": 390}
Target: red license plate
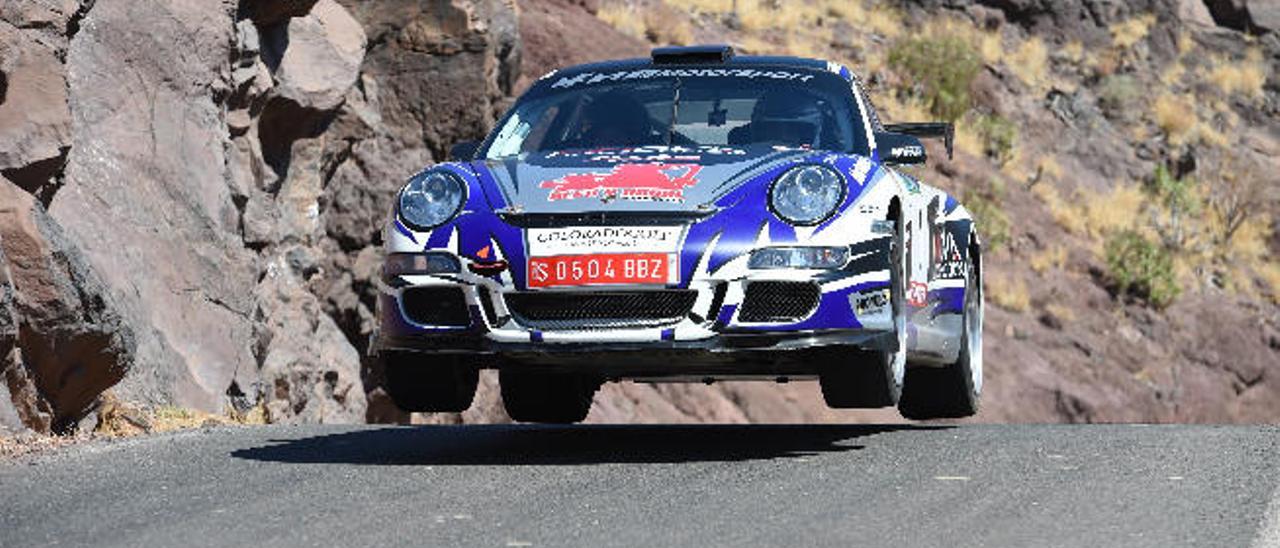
{"x": 622, "y": 268}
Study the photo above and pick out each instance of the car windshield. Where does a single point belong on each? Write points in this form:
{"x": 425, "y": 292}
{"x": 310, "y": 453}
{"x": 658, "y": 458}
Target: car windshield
{"x": 684, "y": 107}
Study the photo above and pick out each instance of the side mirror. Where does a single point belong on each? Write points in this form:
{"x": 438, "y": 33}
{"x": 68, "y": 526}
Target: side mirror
{"x": 464, "y": 151}
{"x": 900, "y": 149}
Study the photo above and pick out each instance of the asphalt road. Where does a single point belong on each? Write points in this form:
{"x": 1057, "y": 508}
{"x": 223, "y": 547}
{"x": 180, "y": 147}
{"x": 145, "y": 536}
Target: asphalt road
{"x": 655, "y": 486}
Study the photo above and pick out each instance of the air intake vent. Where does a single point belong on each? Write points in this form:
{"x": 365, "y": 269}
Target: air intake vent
{"x": 600, "y": 310}
{"x": 778, "y": 302}
{"x": 692, "y": 55}
{"x": 436, "y": 306}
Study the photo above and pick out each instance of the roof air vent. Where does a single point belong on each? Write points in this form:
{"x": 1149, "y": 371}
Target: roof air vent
{"x": 691, "y": 55}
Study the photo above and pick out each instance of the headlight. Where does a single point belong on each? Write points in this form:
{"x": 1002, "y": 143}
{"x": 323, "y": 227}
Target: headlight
{"x": 420, "y": 263}
{"x": 431, "y": 199}
{"x": 807, "y": 195}
{"x": 798, "y": 257}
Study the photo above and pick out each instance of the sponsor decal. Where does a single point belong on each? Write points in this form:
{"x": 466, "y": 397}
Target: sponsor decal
{"x": 655, "y": 182}
{"x": 602, "y": 269}
{"x": 589, "y": 78}
{"x": 911, "y": 151}
{"x": 870, "y": 303}
{"x": 648, "y": 154}
{"x": 484, "y": 252}
{"x": 918, "y": 294}
{"x": 860, "y": 170}
{"x": 947, "y": 260}
{"x": 548, "y": 242}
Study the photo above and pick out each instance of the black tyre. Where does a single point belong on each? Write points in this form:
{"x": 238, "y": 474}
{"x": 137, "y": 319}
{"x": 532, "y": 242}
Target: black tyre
{"x": 954, "y": 391}
{"x": 868, "y": 379}
{"x": 429, "y": 383}
{"x": 535, "y": 396}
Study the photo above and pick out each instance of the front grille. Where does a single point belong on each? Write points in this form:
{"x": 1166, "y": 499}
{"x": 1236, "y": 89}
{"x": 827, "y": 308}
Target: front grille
{"x": 600, "y": 310}
{"x": 778, "y": 301}
{"x": 436, "y": 306}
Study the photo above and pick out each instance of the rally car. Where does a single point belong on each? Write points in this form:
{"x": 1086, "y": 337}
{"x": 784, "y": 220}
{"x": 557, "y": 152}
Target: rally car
{"x": 691, "y": 216}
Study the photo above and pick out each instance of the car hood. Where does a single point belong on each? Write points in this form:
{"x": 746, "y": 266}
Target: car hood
{"x": 644, "y": 179}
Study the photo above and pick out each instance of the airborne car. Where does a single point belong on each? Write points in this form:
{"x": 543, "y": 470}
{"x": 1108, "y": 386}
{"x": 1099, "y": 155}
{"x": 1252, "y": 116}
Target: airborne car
{"x": 692, "y": 216}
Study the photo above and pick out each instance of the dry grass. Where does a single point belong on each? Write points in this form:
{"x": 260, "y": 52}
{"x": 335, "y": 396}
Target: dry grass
{"x": 1051, "y": 258}
{"x": 1062, "y": 213}
{"x": 1009, "y": 294}
{"x": 1127, "y": 34}
{"x": 1245, "y": 77}
{"x": 1270, "y": 275}
{"x": 1172, "y": 75}
{"x": 1064, "y": 313}
{"x": 1113, "y": 211}
{"x": 31, "y": 444}
{"x": 1186, "y": 43}
{"x": 1030, "y": 63}
{"x": 659, "y": 23}
{"x": 622, "y": 17}
{"x": 117, "y": 418}
{"x": 1175, "y": 115}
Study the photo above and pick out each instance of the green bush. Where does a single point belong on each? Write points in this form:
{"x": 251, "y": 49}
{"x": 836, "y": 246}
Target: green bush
{"x": 999, "y": 136}
{"x": 940, "y": 70}
{"x": 1118, "y": 95}
{"x": 1177, "y": 194}
{"x": 993, "y": 224}
{"x": 1141, "y": 268}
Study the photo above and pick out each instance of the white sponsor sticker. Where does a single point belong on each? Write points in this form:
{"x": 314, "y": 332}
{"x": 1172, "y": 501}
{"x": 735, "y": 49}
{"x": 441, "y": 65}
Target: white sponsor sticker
{"x": 593, "y": 240}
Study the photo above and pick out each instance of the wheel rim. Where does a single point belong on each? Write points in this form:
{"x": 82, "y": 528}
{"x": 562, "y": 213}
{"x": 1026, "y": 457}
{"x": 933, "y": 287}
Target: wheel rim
{"x": 898, "y": 357}
{"x": 973, "y": 327}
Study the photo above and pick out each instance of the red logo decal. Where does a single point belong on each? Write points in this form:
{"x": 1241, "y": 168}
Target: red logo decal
{"x": 918, "y": 295}
{"x": 483, "y": 253}
{"x": 647, "y": 182}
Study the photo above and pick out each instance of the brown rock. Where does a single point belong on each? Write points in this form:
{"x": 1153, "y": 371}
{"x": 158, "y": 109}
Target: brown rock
{"x": 35, "y": 122}
{"x": 270, "y": 12}
{"x": 71, "y": 341}
{"x": 469, "y": 48}
{"x": 309, "y": 372}
{"x": 316, "y": 58}
{"x": 559, "y": 33}
{"x": 146, "y": 188}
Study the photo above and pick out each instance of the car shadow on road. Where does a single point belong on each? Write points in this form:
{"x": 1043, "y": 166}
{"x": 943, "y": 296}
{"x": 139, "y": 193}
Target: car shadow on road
{"x": 567, "y": 445}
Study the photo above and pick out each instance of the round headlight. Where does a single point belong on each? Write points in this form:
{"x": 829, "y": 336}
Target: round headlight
{"x": 807, "y": 195}
{"x": 431, "y": 199}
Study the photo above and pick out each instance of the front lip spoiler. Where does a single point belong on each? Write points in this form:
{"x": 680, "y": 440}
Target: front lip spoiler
{"x": 725, "y": 344}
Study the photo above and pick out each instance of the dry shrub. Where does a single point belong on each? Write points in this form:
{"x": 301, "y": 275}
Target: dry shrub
{"x": 1030, "y": 63}
{"x": 1270, "y": 275}
{"x": 1009, "y": 294}
{"x": 1063, "y": 313}
{"x": 1246, "y": 77}
{"x": 1126, "y": 34}
{"x": 1052, "y": 258}
{"x": 624, "y": 17}
{"x": 667, "y": 26}
{"x": 659, "y": 23}
{"x": 1176, "y": 117}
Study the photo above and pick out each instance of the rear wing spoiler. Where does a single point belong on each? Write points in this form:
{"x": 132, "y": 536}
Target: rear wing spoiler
{"x": 929, "y": 130}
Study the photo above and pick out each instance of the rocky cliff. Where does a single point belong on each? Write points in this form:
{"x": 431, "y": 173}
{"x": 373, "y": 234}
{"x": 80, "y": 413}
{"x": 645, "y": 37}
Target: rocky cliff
{"x": 192, "y": 192}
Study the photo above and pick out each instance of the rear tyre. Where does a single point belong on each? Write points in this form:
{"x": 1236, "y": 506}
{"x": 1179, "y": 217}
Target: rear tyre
{"x": 429, "y": 383}
{"x": 871, "y": 379}
{"x": 536, "y": 396}
{"x": 954, "y": 391}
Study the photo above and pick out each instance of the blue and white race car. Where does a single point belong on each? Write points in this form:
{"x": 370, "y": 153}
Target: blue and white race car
{"x": 693, "y": 216}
